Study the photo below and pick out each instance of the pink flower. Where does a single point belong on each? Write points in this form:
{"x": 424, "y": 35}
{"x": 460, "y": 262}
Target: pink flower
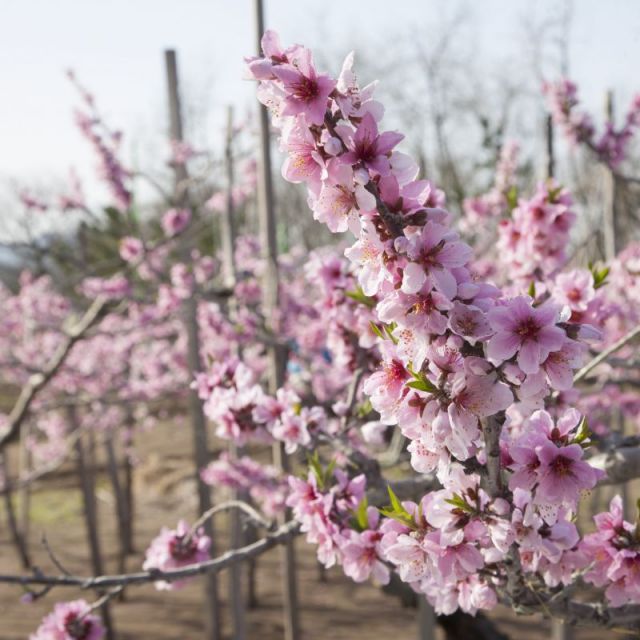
{"x": 362, "y": 553}
{"x": 574, "y": 289}
{"x": 433, "y": 251}
{"x": 367, "y": 148}
{"x": 70, "y": 621}
{"x": 292, "y": 430}
{"x": 175, "y": 221}
{"x": 340, "y": 201}
{"x": 562, "y": 474}
{"x": 530, "y": 332}
{"x": 385, "y": 388}
{"x": 560, "y": 365}
{"x": 367, "y": 252}
{"x": 131, "y": 249}
{"x": 306, "y": 92}
{"x": 174, "y": 548}
{"x": 304, "y": 162}
{"x": 469, "y": 322}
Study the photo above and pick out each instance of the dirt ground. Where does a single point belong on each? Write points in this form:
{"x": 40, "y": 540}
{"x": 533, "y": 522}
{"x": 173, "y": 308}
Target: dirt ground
{"x": 335, "y": 609}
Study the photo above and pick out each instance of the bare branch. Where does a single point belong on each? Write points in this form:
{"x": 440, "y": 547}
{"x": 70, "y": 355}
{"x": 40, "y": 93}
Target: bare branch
{"x": 286, "y": 532}
{"x": 601, "y": 357}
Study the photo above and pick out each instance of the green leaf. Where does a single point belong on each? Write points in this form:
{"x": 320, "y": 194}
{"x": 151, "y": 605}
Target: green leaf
{"x": 422, "y": 385}
{"x": 359, "y": 296}
{"x": 397, "y": 512}
{"x": 421, "y": 382}
{"x": 395, "y": 503}
{"x": 583, "y": 433}
{"x": 365, "y": 408}
{"x": 600, "y": 277}
{"x": 377, "y": 330}
{"x": 328, "y": 474}
{"x": 512, "y": 197}
{"x": 361, "y": 514}
{"x": 316, "y": 468}
{"x": 554, "y": 193}
{"x": 532, "y": 290}
{"x": 459, "y": 503}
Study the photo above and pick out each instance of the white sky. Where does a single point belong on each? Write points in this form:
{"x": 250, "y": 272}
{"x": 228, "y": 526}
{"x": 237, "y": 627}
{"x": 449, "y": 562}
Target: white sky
{"x": 116, "y": 47}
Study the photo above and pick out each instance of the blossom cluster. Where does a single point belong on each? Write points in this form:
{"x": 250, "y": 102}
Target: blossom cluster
{"x": 175, "y": 548}
{"x": 611, "y": 146}
{"x": 70, "y": 621}
{"x": 334, "y": 514}
{"x": 454, "y": 350}
{"x": 264, "y": 483}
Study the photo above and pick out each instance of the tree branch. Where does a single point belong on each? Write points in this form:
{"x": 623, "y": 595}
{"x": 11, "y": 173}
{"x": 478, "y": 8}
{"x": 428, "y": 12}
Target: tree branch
{"x": 39, "y": 380}
{"x": 601, "y": 357}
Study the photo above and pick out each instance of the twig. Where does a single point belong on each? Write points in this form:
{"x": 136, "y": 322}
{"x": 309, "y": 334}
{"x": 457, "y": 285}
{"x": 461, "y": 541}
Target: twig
{"x": 616, "y": 346}
{"x": 253, "y": 514}
{"x": 52, "y": 556}
{"x": 286, "y": 532}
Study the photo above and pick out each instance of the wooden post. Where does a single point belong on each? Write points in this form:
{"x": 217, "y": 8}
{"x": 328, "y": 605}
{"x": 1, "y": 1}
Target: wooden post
{"x": 120, "y": 502}
{"x": 560, "y": 631}
{"x": 550, "y": 163}
{"x": 127, "y": 444}
{"x": 190, "y": 319}
{"x": 267, "y": 221}
{"x": 426, "y": 619}
{"x": 228, "y": 240}
{"x": 86, "y": 474}
{"x": 12, "y": 522}
{"x": 612, "y": 236}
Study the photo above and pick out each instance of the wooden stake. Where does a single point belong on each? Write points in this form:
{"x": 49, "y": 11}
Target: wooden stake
{"x": 190, "y": 319}
{"x": 612, "y": 236}
{"x": 12, "y": 522}
{"x": 120, "y": 500}
{"x": 228, "y": 238}
{"x": 550, "y": 167}
{"x": 266, "y": 216}
{"x": 86, "y": 473}
{"x": 128, "y": 481}
{"x": 426, "y": 620}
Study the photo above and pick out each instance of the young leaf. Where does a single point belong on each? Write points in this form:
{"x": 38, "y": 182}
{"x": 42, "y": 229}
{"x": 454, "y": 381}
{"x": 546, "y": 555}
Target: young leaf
{"x": 361, "y": 514}
{"x": 316, "y": 468}
{"x": 376, "y": 329}
{"x": 583, "y": 433}
{"x": 359, "y": 296}
{"x": 422, "y": 385}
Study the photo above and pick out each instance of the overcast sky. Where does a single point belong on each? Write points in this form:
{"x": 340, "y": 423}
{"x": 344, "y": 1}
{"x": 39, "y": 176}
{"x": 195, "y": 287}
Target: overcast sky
{"x": 116, "y": 47}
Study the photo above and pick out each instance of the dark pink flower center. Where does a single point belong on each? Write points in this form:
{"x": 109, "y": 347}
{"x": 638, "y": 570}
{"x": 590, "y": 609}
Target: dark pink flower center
{"x": 244, "y": 417}
{"x": 182, "y": 548}
{"x": 528, "y": 329}
{"x": 562, "y": 466}
{"x": 77, "y": 628}
{"x": 575, "y": 295}
{"x": 422, "y": 306}
{"x": 305, "y": 89}
{"x": 396, "y": 372}
{"x": 366, "y": 150}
